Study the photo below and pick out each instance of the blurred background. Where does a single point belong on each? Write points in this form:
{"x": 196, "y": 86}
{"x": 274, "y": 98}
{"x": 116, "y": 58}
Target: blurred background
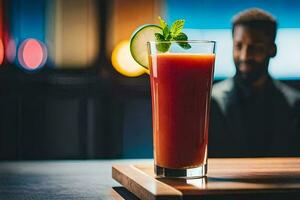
{"x": 69, "y": 88}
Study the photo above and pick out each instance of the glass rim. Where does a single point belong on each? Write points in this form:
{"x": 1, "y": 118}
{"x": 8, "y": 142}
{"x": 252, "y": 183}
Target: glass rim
{"x": 184, "y": 41}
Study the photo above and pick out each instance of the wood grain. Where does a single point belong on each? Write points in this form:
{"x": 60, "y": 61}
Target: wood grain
{"x": 274, "y": 178}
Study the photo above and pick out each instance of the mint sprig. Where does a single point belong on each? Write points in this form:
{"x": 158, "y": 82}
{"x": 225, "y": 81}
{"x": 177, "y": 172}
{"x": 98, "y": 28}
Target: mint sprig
{"x": 171, "y": 34}
{"x": 176, "y": 28}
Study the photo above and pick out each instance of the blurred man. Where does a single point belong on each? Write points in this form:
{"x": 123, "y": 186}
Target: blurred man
{"x": 253, "y": 114}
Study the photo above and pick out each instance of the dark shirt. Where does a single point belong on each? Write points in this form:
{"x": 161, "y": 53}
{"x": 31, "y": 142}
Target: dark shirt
{"x": 248, "y": 123}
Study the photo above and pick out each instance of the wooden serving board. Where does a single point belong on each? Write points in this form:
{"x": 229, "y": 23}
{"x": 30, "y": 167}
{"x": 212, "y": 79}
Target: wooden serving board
{"x": 247, "y": 178}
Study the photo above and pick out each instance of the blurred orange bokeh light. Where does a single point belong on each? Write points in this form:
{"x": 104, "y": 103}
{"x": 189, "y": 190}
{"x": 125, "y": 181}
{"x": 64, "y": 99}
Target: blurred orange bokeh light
{"x": 123, "y": 62}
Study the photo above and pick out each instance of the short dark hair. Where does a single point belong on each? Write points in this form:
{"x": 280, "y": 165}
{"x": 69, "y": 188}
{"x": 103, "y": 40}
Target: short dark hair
{"x": 258, "y": 19}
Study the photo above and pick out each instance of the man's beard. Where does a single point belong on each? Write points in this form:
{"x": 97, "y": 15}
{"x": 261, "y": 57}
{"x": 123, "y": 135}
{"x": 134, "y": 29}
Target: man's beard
{"x": 259, "y": 70}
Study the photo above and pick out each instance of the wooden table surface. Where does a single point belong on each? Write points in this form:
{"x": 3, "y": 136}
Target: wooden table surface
{"x": 235, "y": 178}
{"x": 85, "y": 179}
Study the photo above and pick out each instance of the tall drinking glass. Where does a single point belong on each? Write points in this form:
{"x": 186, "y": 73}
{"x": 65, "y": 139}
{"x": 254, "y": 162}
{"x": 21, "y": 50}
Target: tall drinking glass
{"x": 181, "y": 82}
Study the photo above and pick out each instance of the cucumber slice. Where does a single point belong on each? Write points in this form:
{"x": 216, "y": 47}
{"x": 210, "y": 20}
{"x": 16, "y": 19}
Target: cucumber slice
{"x": 138, "y": 43}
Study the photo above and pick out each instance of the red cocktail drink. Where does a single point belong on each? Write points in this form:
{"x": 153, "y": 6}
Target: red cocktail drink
{"x": 181, "y": 89}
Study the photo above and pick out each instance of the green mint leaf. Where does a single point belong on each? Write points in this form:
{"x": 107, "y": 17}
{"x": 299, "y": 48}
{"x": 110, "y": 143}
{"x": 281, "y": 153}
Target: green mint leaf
{"x": 165, "y": 28}
{"x": 184, "y": 45}
{"x": 176, "y": 27}
{"x": 166, "y": 33}
{"x": 163, "y": 47}
{"x": 181, "y": 37}
{"x": 162, "y": 23}
{"x": 159, "y": 37}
